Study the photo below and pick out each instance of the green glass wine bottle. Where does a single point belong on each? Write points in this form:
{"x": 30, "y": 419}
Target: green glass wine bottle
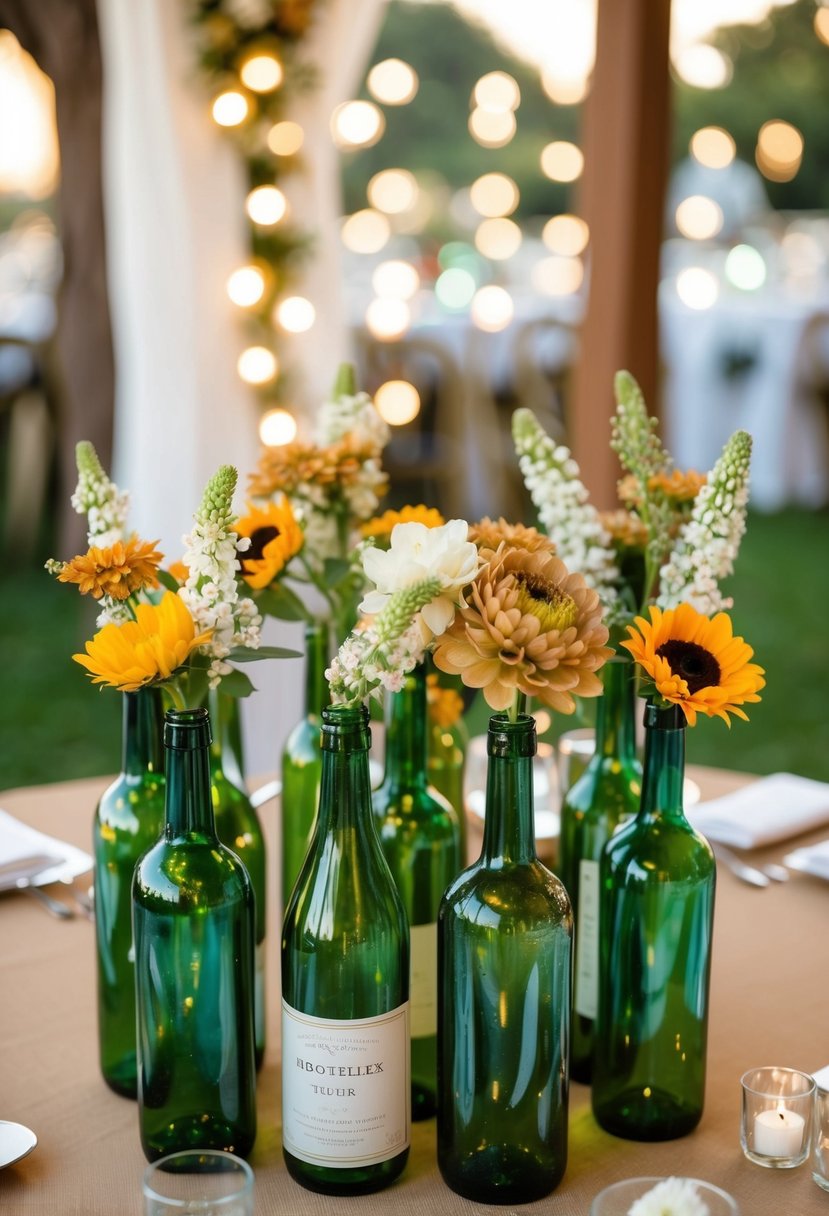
{"x": 656, "y": 909}
{"x": 129, "y": 819}
{"x": 238, "y": 827}
{"x": 302, "y": 761}
{"x": 345, "y": 988}
{"x": 504, "y": 957}
{"x": 446, "y": 748}
{"x": 605, "y": 794}
{"x": 420, "y": 838}
{"x": 193, "y": 922}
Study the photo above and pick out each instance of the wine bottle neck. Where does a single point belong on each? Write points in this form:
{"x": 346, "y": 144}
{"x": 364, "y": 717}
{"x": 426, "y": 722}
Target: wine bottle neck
{"x": 509, "y": 834}
{"x": 405, "y": 760}
{"x": 142, "y": 750}
{"x": 188, "y": 805}
{"x": 316, "y": 661}
{"x": 345, "y": 788}
{"x": 616, "y": 711}
{"x": 664, "y": 768}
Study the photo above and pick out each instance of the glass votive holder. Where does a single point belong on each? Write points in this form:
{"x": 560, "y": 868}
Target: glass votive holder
{"x": 200, "y": 1183}
{"x": 820, "y": 1135}
{"x": 663, "y": 1195}
{"x": 574, "y": 750}
{"x": 776, "y": 1122}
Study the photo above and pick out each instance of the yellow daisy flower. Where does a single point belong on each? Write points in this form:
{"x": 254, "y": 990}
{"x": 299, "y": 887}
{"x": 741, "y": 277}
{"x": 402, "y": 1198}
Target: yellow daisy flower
{"x": 275, "y": 538}
{"x": 143, "y": 651}
{"x": 381, "y": 526}
{"x": 118, "y": 571}
{"x": 696, "y": 662}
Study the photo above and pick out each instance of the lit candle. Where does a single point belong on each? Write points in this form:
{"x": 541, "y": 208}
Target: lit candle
{"x": 778, "y": 1133}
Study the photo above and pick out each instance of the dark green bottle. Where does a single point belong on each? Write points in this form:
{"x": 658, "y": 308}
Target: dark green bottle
{"x": 655, "y": 914}
{"x": 128, "y": 820}
{"x": 420, "y": 838}
{"x": 302, "y": 761}
{"x": 193, "y": 921}
{"x": 238, "y": 827}
{"x": 605, "y": 794}
{"x": 345, "y": 988}
{"x": 504, "y": 955}
{"x": 446, "y": 750}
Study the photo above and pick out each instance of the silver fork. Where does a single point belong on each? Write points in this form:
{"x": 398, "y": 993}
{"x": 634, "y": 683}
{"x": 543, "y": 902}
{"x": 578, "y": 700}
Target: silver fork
{"x": 60, "y": 910}
{"x": 755, "y": 876}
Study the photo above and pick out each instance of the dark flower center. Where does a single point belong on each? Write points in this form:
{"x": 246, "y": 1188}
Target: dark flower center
{"x": 258, "y": 539}
{"x": 696, "y": 665}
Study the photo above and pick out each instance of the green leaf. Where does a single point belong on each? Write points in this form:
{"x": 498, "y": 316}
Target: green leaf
{"x": 167, "y": 580}
{"x": 334, "y": 570}
{"x": 281, "y": 603}
{"x": 245, "y": 655}
{"x": 237, "y": 684}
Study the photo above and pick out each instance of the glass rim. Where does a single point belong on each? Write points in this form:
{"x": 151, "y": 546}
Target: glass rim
{"x": 240, "y": 1167}
{"x": 770, "y": 1068}
{"x": 655, "y": 1179}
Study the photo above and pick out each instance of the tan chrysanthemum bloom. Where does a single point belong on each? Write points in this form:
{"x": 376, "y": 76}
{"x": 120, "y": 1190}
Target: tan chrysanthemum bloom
{"x": 527, "y": 625}
{"x": 625, "y": 528}
{"x": 679, "y": 486}
{"x": 292, "y": 465}
{"x": 118, "y": 571}
{"x": 488, "y": 535}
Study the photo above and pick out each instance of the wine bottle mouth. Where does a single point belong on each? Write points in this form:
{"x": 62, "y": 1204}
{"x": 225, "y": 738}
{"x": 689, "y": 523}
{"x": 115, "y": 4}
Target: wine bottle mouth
{"x": 345, "y": 727}
{"x": 660, "y": 717}
{"x": 186, "y": 729}
{"x": 508, "y": 738}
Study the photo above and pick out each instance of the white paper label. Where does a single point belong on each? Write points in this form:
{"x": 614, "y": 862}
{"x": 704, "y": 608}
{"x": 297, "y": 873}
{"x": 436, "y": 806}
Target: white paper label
{"x": 423, "y": 988}
{"x": 345, "y": 1087}
{"x": 587, "y": 941}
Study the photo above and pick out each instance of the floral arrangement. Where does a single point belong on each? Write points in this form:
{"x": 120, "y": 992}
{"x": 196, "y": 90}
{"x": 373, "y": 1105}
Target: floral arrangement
{"x": 310, "y": 501}
{"x": 671, "y": 1197}
{"x": 676, "y": 535}
{"x": 697, "y": 663}
{"x": 492, "y": 603}
{"x": 185, "y": 637}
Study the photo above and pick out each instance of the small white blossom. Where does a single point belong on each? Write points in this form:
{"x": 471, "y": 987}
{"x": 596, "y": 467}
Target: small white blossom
{"x": 99, "y": 498}
{"x": 671, "y": 1197}
{"x": 355, "y": 416}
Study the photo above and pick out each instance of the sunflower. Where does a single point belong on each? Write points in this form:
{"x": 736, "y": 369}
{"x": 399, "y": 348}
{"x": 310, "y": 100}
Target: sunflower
{"x": 143, "y": 651}
{"x": 380, "y": 527}
{"x": 275, "y": 537}
{"x": 117, "y": 571}
{"x": 696, "y": 662}
{"x": 488, "y": 535}
{"x": 526, "y": 625}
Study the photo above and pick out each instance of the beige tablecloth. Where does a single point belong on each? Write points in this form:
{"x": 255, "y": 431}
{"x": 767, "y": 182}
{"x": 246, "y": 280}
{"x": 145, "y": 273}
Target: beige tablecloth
{"x": 769, "y": 1005}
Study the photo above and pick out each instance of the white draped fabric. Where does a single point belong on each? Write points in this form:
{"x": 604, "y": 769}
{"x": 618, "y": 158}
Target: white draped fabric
{"x": 174, "y": 193}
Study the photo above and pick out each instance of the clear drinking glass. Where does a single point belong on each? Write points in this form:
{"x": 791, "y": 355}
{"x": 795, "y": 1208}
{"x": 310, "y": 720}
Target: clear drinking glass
{"x": 820, "y": 1147}
{"x": 617, "y": 1200}
{"x": 199, "y": 1183}
{"x": 776, "y": 1124}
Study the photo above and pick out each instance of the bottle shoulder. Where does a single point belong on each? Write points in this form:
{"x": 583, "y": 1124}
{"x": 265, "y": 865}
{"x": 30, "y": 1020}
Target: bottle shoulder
{"x": 419, "y": 808}
{"x": 129, "y": 801}
{"x": 659, "y": 847}
{"x": 197, "y": 869}
{"x": 344, "y": 891}
{"x": 605, "y": 782}
{"x": 513, "y": 895}
{"x": 303, "y": 741}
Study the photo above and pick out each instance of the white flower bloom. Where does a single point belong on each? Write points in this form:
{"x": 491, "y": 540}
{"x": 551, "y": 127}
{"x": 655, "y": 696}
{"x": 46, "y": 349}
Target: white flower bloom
{"x": 99, "y": 498}
{"x": 354, "y": 416}
{"x": 671, "y": 1197}
{"x": 417, "y": 553}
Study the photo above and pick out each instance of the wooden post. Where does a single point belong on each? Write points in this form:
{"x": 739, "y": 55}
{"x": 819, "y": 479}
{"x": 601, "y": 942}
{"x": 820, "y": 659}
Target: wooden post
{"x": 626, "y": 149}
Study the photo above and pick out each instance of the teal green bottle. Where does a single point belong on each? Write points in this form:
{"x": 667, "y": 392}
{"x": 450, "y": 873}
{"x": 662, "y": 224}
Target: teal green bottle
{"x": 504, "y": 959}
{"x": 345, "y": 988}
{"x": 129, "y": 819}
{"x": 656, "y": 910}
{"x": 238, "y": 827}
{"x": 302, "y": 761}
{"x": 446, "y": 748}
{"x": 193, "y": 923}
{"x": 605, "y": 794}
{"x": 420, "y": 838}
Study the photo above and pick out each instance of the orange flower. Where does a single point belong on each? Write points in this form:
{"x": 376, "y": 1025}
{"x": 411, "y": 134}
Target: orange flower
{"x": 179, "y": 571}
{"x": 118, "y": 571}
{"x": 625, "y": 528}
{"x": 526, "y": 625}
{"x": 275, "y": 538}
{"x": 488, "y": 535}
{"x": 381, "y": 525}
{"x": 445, "y": 705}
{"x": 696, "y": 662}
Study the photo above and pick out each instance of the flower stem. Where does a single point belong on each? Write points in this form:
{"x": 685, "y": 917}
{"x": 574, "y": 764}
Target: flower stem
{"x": 518, "y": 706}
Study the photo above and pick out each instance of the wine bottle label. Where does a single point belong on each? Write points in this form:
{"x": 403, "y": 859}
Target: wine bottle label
{"x": 423, "y": 988}
{"x": 587, "y": 940}
{"x": 345, "y": 1087}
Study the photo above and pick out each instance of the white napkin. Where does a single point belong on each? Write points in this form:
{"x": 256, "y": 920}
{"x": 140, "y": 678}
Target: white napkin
{"x": 812, "y": 859}
{"x": 24, "y": 852}
{"x": 768, "y": 810}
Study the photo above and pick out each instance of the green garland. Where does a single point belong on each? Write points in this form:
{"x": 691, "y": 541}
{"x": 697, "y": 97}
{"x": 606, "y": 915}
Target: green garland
{"x": 229, "y": 32}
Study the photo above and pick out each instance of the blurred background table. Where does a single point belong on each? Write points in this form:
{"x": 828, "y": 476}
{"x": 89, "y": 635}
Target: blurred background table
{"x": 768, "y": 1006}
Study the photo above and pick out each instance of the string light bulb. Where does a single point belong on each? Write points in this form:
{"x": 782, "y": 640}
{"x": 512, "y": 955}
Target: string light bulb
{"x": 246, "y": 286}
{"x": 230, "y": 109}
{"x": 295, "y": 314}
{"x": 262, "y": 72}
{"x": 276, "y": 428}
{"x": 266, "y": 206}
{"x": 257, "y": 365}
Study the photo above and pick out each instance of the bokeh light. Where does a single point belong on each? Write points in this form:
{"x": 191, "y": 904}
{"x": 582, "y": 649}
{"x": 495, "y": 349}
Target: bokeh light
{"x": 713, "y": 147}
{"x": 697, "y": 288}
{"x": 295, "y": 314}
{"x": 230, "y": 108}
{"x": 822, "y": 24}
{"x": 246, "y": 286}
{"x": 393, "y": 191}
{"x": 257, "y": 365}
{"x": 29, "y": 160}
{"x": 779, "y": 150}
{"x": 285, "y": 138}
{"x": 455, "y": 288}
{"x": 266, "y": 206}
{"x": 388, "y": 319}
{"x": 395, "y": 280}
{"x": 699, "y": 217}
{"x": 357, "y": 124}
{"x": 365, "y": 231}
{"x": 492, "y": 308}
{"x": 498, "y": 238}
{"x": 262, "y": 72}
{"x": 566, "y": 235}
{"x": 745, "y": 268}
{"x": 497, "y": 92}
{"x": 562, "y": 161}
{"x": 393, "y": 82}
{"x": 492, "y": 130}
{"x": 494, "y": 194}
{"x": 703, "y": 66}
{"x": 398, "y": 402}
{"x": 564, "y": 89}
{"x": 558, "y": 276}
{"x": 276, "y": 428}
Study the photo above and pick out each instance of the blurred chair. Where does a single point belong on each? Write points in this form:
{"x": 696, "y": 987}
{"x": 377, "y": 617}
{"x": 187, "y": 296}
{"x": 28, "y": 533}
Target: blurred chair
{"x": 544, "y": 353}
{"x": 28, "y": 395}
{"x": 812, "y": 391}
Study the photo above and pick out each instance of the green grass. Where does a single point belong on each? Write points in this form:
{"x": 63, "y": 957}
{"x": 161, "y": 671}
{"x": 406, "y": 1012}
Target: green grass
{"x": 54, "y": 725}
